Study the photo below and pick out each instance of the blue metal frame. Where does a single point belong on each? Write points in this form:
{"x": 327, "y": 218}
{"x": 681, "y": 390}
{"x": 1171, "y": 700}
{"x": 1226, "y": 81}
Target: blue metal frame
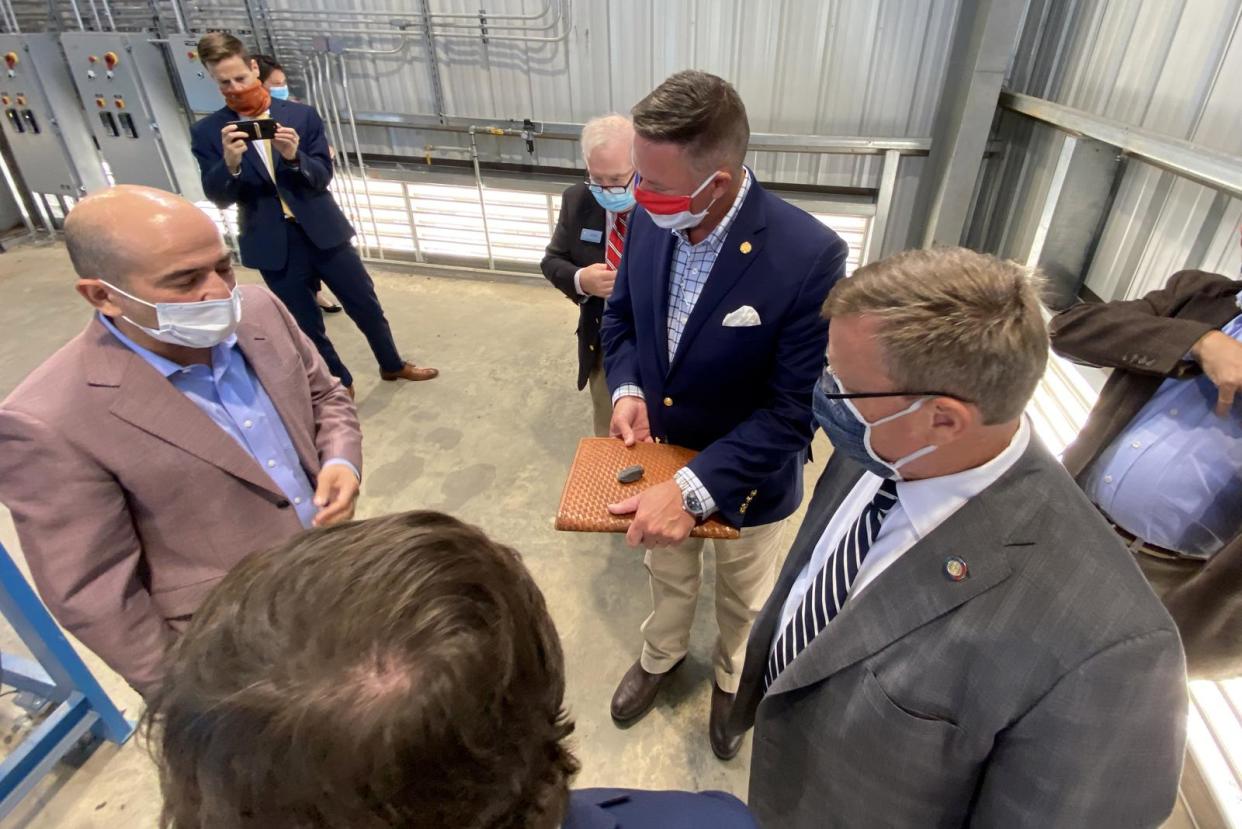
{"x": 60, "y": 676}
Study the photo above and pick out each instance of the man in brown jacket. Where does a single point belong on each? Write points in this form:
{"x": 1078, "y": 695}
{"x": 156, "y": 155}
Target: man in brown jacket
{"x": 172, "y": 437}
{"x": 1161, "y": 454}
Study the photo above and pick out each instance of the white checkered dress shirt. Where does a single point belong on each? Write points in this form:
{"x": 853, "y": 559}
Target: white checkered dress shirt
{"x": 692, "y": 265}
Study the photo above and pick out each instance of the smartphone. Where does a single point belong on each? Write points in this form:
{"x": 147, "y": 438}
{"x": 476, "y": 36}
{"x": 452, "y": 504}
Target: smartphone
{"x": 264, "y": 128}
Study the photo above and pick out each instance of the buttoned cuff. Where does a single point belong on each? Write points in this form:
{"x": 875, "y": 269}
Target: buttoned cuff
{"x": 343, "y": 462}
{"x": 628, "y": 390}
{"x": 690, "y": 483}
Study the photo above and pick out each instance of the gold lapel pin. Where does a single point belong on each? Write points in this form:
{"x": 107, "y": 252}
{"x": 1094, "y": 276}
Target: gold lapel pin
{"x": 744, "y": 247}
{"x": 955, "y": 569}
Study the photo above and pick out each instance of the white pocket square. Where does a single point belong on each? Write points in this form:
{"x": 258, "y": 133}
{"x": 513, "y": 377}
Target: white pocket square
{"x": 743, "y": 317}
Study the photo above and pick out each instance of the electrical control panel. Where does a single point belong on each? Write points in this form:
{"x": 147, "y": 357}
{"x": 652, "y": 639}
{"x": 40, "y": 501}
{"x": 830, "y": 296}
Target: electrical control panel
{"x": 132, "y": 109}
{"x": 42, "y": 119}
{"x": 201, "y": 92}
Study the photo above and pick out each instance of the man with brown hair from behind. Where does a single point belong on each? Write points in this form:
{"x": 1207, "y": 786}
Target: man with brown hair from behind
{"x": 396, "y": 672}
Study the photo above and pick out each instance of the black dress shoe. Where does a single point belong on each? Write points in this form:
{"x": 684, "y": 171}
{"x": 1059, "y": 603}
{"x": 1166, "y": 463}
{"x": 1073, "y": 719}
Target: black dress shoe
{"x": 637, "y": 693}
{"x": 724, "y": 745}
{"x": 331, "y": 308}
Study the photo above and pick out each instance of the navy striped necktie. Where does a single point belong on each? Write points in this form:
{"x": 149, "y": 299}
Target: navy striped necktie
{"x": 827, "y": 594}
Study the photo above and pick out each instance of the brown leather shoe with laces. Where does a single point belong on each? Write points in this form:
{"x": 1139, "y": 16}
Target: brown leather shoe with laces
{"x": 409, "y": 371}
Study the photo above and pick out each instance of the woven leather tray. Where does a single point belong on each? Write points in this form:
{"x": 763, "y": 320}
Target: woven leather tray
{"x": 592, "y": 485}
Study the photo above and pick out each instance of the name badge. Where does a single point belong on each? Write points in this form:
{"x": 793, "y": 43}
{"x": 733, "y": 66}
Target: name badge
{"x": 592, "y": 236}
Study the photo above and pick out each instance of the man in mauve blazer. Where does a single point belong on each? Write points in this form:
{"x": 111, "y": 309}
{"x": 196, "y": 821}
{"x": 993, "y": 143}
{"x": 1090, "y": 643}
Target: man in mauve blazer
{"x": 1150, "y": 343}
{"x": 131, "y": 501}
{"x": 956, "y": 638}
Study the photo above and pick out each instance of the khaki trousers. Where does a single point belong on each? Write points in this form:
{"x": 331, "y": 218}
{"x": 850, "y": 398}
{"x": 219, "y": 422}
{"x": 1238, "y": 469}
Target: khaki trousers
{"x": 601, "y": 400}
{"x": 745, "y": 574}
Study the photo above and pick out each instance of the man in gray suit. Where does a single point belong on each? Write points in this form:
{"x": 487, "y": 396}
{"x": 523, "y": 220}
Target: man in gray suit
{"x": 957, "y": 638}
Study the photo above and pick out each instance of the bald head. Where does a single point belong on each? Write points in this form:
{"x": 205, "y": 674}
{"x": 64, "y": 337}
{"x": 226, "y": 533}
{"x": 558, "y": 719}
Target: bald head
{"x": 134, "y": 247}
{"x": 116, "y": 232}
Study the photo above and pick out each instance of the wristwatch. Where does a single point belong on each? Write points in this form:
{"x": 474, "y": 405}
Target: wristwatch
{"x": 690, "y": 503}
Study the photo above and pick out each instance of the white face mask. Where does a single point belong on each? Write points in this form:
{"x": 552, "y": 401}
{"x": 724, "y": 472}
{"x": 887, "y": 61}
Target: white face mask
{"x": 892, "y": 467}
{"x": 191, "y": 324}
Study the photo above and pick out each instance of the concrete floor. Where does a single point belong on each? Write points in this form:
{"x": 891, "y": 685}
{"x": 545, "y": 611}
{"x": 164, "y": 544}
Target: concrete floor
{"x": 489, "y": 441}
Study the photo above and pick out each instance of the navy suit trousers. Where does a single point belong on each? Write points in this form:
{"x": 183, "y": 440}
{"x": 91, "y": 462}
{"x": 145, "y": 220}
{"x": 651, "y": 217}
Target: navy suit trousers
{"x": 342, "y": 271}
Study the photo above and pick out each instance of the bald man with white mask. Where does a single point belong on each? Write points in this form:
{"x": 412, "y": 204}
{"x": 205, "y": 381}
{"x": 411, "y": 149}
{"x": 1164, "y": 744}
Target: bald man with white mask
{"x": 188, "y": 425}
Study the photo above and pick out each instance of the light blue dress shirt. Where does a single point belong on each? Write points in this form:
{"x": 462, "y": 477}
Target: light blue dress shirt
{"x": 231, "y": 395}
{"x": 1173, "y": 477}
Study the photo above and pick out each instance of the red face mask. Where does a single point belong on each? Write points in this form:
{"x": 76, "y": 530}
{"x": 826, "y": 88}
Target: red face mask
{"x": 252, "y": 101}
{"x": 664, "y": 204}
{"x": 673, "y": 212}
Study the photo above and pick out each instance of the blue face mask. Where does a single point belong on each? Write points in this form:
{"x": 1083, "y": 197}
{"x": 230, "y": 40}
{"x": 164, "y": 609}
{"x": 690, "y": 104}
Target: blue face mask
{"x": 281, "y": 92}
{"x": 851, "y": 434}
{"x": 615, "y": 202}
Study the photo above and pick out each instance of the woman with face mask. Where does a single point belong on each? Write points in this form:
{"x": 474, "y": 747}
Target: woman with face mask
{"x": 276, "y": 82}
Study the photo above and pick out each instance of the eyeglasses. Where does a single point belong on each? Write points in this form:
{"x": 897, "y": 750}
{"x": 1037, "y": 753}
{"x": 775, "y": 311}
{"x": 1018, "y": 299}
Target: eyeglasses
{"x": 833, "y": 390}
{"x": 614, "y": 189}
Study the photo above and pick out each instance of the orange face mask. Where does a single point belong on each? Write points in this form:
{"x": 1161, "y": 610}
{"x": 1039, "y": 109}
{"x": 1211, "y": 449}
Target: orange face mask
{"x": 252, "y": 101}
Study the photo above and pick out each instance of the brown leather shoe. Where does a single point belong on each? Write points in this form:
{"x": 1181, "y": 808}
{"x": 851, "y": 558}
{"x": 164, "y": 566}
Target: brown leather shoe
{"x": 724, "y": 745}
{"x": 352, "y": 395}
{"x": 637, "y": 692}
{"x": 409, "y": 371}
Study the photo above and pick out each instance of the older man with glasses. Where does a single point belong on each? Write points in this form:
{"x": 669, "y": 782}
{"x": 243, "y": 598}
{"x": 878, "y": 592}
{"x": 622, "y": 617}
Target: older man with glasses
{"x": 585, "y": 251}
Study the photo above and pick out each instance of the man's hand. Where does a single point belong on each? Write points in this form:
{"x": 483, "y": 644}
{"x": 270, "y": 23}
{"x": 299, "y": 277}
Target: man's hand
{"x": 286, "y": 142}
{"x": 336, "y": 495}
{"x": 660, "y": 520}
{"x": 597, "y": 280}
{"x": 629, "y": 421}
{"x": 1221, "y": 358}
{"x": 234, "y": 142}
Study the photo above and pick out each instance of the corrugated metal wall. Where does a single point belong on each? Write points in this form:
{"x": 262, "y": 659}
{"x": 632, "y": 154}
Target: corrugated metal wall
{"x": 1165, "y": 65}
{"x": 848, "y": 67}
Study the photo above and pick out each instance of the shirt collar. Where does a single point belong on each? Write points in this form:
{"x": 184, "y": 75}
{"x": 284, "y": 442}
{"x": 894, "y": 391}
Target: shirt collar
{"x": 930, "y": 501}
{"x": 716, "y": 238}
{"x": 165, "y": 366}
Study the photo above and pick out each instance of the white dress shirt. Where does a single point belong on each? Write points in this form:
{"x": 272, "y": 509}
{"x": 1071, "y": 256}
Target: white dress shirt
{"x": 921, "y": 507}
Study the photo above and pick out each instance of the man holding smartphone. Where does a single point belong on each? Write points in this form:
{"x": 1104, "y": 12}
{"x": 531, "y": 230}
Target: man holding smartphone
{"x": 277, "y": 171}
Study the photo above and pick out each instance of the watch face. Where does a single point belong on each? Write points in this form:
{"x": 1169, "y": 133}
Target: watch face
{"x": 693, "y": 504}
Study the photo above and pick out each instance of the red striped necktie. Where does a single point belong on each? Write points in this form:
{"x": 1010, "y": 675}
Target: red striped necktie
{"x": 616, "y": 240}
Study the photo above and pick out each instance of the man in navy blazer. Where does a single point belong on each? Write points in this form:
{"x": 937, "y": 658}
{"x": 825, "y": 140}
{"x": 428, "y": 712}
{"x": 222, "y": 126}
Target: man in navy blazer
{"x": 291, "y": 229}
{"x": 713, "y": 340}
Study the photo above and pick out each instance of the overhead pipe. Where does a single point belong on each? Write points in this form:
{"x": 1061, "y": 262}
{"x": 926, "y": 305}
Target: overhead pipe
{"x": 478, "y": 182}
{"x": 77, "y": 13}
{"x": 362, "y": 168}
{"x": 95, "y": 14}
{"x": 10, "y": 15}
{"x": 380, "y": 15}
{"x": 108, "y": 14}
{"x": 344, "y": 156}
{"x": 480, "y": 21}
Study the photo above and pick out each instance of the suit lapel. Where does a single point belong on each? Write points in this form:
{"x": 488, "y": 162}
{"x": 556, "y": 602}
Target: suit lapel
{"x": 915, "y": 590}
{"x": 148, "y": 401}
{"x": 661, "y": 266}
{"x": 730, "y": 266}
{"x": 835, "y": 484}
{"x": 275, "y": 376}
